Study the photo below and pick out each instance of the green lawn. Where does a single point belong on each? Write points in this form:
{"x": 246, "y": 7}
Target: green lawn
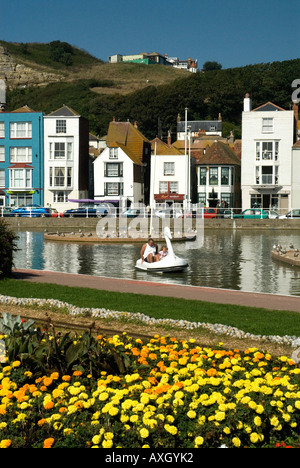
{"x": 249, "y": 319}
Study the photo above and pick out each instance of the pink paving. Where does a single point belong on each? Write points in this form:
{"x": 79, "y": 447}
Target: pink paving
{"x": 221, "y": 296}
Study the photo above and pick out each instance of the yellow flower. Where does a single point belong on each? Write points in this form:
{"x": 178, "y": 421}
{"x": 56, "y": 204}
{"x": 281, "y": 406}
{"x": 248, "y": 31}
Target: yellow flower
{"x": 5, "y": 443}
{"x": 144, "y": 433}
{"x": 257, "y": 421}
{"x": 236, "y": 442}
{"x": 254, "y": 437}
{"x": 198, "y": 440}
{"x": 191, "y": 414}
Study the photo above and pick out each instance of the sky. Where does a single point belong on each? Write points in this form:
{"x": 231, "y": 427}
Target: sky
{"x": 233, "y": 33}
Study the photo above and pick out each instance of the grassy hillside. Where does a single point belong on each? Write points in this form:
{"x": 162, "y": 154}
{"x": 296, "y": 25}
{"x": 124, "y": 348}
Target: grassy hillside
{"x": 154, "y": 95}
{"x": 55, "y": 56}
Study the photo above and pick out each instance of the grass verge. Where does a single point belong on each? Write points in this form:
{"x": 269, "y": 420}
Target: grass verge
{"x": 249, "y": 319}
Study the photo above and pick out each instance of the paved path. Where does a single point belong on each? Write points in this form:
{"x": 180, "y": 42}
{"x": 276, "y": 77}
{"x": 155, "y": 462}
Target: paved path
{"x": 221, "y": 296}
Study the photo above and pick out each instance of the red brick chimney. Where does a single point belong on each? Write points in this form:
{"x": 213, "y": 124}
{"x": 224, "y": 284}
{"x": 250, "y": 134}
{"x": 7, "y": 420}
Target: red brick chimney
{"x": 169, "y": 138}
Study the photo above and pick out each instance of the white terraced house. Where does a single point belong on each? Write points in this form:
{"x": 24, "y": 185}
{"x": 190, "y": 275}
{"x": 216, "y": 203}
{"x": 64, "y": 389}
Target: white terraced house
{"x": 267, "y": 176}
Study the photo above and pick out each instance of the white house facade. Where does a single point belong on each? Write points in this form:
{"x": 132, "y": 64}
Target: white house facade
{"x": 266, "y": 169}
{"x": 66, "y": 152}
{"x": 169, "y": 175}
{"x": 118, "y": 177}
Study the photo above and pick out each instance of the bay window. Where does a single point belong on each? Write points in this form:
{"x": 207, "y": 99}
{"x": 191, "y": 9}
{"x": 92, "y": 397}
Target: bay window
{"x": 20, "y": 178}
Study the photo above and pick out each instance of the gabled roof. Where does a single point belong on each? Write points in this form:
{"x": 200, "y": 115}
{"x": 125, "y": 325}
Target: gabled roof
{"x": 23, "y": 109}
{"x": 163, "y": 149}
{"x": 65, "y": 111}
{"x": 127, "y": 135}
{"x": 219, "y": 154}
{"x": 268, "y": 107}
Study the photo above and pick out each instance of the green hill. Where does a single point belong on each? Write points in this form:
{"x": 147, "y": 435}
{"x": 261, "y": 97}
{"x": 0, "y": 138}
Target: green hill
{"x": 154, "y": 95}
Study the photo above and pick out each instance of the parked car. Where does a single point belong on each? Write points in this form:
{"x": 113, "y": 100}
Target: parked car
{"x": 31, "y": 211}
{"x": 5, "y": 211}
{"x": 87, "y": 212}
{"x": 131, "y": 213}
{"x": 169, "y": 213}
{"x": 55, "y": 213}
{"x": 291, "y": 214}
{"x": 206, "y": 213}
{"x": 253, "y": 213}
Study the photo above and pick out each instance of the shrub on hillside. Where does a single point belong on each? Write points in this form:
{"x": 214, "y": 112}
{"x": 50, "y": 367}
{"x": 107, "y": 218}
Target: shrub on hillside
{"x": 7, "y": 248}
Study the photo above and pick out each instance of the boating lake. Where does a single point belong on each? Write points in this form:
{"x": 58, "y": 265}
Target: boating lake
{"x": 230, "y": 259}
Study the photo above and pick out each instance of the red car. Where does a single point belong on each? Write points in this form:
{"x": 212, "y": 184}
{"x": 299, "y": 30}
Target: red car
{"x": 202, "y": 212}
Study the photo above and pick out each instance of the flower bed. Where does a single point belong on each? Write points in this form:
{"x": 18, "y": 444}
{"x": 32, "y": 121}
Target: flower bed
{"x": 164, "y": 393}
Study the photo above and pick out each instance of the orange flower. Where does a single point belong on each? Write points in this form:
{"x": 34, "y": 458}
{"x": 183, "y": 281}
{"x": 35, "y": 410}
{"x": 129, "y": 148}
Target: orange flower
{"x": 77, "y": 373}
{"x": 66, "y": 378}
{"x": 41, "y": 422}
{"x": 47, "y": 381}
{"x": 48, "y": 405}
{"x": 48, "y": 442}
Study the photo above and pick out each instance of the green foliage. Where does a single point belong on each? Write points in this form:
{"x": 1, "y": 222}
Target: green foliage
{"x": 205, "y": 94}
{"x": 47, "y": 349}
{"x": 7, "y": 248}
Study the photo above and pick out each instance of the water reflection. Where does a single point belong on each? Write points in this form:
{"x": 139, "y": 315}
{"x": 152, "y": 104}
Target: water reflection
{"x": 223, "y": 259}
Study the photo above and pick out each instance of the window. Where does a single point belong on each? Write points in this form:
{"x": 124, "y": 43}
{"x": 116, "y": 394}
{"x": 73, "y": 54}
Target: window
{"x": 113, "y": 153}
{"x": 267, "y": 125}
{"x": 61, "y": 126}
{"x": 2, "y": 131}
{"x": 2, "y": 154}
{"x": 203, "y": 175}
{"x": 227, "y": 198}
{"x": 21, "y": 130}
{"x": 113, "y": 170}
{"x": 267, "y": 150}
{"x": 59, "y": 150}
{"x": 224, "y": 175}
{"x": 21, "y": 154}
{"x": 202, "y": 197}
{"x": 69, "y": 177}
{"x": 59, "y": 176}
{"x": 169, "y": 169}
{"x": 69, "y": 151}
{"x": 163, "y": 187}
{"x": 2, "y": 178}
{"x": 213, "y": 176}
{"x": 20, "y": 200}
{"x": 173, "y": 187}
{"x": 266, "y": 176}
{"x": 60, "y": 197}
{"x": 20, "y": 178}
{"x": 113, "y": 188}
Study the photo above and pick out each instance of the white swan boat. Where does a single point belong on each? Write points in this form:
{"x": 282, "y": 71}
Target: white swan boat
{"x": 170, "y": 263}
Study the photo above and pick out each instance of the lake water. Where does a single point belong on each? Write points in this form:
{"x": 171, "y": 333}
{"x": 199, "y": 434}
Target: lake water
{"x": 235, "y": 259}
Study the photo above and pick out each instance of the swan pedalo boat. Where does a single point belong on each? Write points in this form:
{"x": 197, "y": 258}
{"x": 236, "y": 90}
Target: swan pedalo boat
{"x": 170, "y": 263}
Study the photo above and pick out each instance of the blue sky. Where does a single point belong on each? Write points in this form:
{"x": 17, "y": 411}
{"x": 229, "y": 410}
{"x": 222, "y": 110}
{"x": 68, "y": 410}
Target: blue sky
{"x": 234, "y": 33}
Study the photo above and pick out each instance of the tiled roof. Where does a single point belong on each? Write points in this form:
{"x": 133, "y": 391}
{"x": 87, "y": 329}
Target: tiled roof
{"x": 163, "y": 149}
{"x": 218, "y": 153}
{"x": 269, "y": 106}
{"x": 64, "y": 111}
{"x": 23, "y": 109}
{"x": 127, "y": 135}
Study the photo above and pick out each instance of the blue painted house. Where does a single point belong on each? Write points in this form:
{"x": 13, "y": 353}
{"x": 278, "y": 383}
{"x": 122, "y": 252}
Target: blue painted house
{"x": 21, "y": 158}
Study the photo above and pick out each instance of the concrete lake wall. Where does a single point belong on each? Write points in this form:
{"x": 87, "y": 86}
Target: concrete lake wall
{"x": 89, "y": 224}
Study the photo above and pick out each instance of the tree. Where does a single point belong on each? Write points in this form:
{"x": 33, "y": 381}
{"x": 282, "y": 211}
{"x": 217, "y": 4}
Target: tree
{"x": 207, "y": 66}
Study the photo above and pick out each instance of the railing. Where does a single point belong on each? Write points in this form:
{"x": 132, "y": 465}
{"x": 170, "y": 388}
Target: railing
{"x": 163, "y": 211}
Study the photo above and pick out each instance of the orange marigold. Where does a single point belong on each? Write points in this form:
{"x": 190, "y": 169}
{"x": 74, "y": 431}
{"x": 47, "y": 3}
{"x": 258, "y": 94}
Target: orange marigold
{"x": 48, "y": 442}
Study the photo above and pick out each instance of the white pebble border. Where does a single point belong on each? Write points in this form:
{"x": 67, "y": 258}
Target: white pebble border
{"x": 102, "y": 313}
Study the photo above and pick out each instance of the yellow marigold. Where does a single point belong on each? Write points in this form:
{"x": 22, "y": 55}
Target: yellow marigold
{"x": 5, "y": 443}
{"x": 236, "y": 442}
{"x": 48, "y": 442}
{"x": 198, "y": 441}
{"x": 254, "y": 437}
{"x": 144, "y": 433}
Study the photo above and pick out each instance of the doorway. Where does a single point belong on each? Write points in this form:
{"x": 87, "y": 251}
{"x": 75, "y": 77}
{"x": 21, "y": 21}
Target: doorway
{"x": 266, "y": 201}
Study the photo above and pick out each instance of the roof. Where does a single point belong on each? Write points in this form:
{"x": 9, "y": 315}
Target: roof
{"x": 163, "y": 148}
{"x": 200, "y": 125}
{"x": 218, "y": 154}
{"x": 268, "y": 107}
{"x": 126, "y": 135}
{"x": 65, "y": 111}
{"x": 23, "y": 109}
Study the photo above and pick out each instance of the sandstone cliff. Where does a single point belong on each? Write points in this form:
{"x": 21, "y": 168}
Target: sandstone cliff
{"x": 17, "y": 75}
